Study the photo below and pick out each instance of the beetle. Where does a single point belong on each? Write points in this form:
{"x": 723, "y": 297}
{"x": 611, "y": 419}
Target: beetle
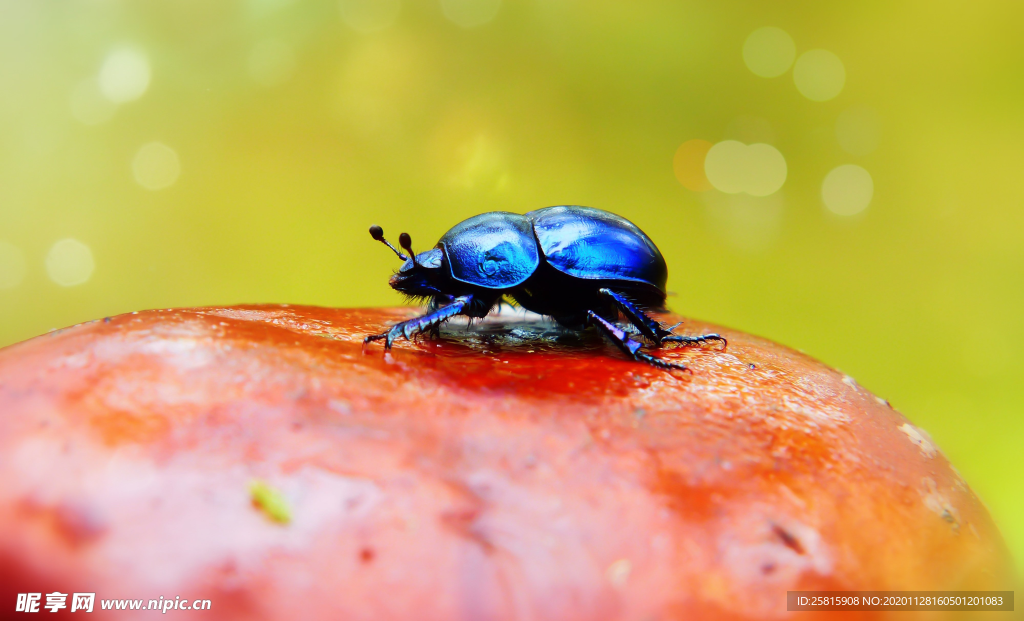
{"x": 579, "y": 265}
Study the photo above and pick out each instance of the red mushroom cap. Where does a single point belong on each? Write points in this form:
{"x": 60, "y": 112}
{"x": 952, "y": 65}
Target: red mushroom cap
{"x": 263, "y": 458}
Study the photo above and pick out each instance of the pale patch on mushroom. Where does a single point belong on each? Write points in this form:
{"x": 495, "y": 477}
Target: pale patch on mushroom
{"x": 816, "y": 412}
{"x": 939, "y": 503}
{"x": 618, "y": 572}
{"x": 921, "y": 438}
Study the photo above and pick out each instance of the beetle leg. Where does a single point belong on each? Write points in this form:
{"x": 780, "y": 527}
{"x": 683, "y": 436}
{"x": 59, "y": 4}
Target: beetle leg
{"x": 628, "y": 346}
{"x": 696, "y": 340}
{"x": 650, "y": 328}
{"x": 430, "y": 321}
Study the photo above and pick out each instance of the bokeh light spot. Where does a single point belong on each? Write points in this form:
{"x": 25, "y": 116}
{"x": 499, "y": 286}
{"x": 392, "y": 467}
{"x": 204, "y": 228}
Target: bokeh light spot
{"x": 847, "y": 190}
{"x": 766, "y": 170}
{"x": 768, "y": 52}
{"x": 733, "y": 167}
{"x": 12, "y": 266}
{"x": 69, "y": 263}
{"x": 470, "y": 13}
{"x": 369, "y": 15}
{"x": 124, "y": 75}
{"x": 271, "y": 62}
{"x": 725, "y": 166}
{"x": 819, "y": 75}
{"x": 89, "y": 105}
{"x": 858, "y": 131}
{"x": 688, "y": 165}
{"x": 156, "y": 166}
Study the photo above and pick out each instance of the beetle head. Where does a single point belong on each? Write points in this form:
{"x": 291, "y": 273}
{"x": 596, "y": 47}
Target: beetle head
{"x": 420, "y": 273}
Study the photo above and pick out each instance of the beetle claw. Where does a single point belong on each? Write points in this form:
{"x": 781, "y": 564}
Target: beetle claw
{"x": 663, "y": 364}
{"x": 387, "y": 337}
{"x": 697, "y": 340}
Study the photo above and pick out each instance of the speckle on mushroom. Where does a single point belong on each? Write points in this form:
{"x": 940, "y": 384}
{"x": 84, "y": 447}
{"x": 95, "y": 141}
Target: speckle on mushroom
{"x": 270, "y": 501}
{"x": 939, "y": 503}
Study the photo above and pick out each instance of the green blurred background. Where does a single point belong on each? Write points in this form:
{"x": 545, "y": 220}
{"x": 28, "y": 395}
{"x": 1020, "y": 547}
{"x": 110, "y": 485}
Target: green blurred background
{"x": 188, "y": 152}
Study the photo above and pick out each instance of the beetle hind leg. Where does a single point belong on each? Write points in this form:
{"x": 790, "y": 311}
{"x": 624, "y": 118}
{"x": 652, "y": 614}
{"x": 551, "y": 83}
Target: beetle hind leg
{"x": 628, "y": 346}
{"x": 698, "y": 340}
{"x": 648, "y": 327}
{"x": 662, "y": 364}
{"x": 652, "y": 329}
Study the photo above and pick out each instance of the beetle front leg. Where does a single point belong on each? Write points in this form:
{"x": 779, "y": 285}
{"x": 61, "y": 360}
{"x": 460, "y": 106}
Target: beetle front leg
{"x": 430, "y": 321}
{"x": 628, "y": 346}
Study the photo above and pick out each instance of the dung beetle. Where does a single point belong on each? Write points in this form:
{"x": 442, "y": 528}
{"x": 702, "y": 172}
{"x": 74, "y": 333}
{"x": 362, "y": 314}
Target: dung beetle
{"x": 578, "y": 265}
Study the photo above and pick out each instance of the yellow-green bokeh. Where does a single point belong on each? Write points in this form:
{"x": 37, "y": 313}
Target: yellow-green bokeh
{"x": 220, "y": 152}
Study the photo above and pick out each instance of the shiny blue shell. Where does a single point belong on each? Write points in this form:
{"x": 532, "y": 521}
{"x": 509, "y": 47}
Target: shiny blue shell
{"x": 494, "y": 250}
{"x": 593, "y": 244}
{"x": 499, "y": 250}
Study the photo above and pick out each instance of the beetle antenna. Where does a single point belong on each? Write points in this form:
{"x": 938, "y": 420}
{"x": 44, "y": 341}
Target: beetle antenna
{"x": 378, "y": 233}
{"x": 406, "y": 243}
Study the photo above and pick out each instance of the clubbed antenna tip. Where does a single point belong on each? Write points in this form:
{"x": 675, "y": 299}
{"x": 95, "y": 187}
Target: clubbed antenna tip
{"x": 406, "y": 243}
{"x": 378, "y": 233}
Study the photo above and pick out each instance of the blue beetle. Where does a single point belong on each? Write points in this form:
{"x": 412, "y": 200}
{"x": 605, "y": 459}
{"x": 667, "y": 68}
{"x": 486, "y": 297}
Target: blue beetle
{"x": 579, "y": 265}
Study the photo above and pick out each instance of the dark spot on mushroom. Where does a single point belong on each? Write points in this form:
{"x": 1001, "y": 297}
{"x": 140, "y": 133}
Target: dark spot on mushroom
{"x": 366, "y": 555}
{"x": 788, "y": 539}
{"x": 79, "y": 523}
